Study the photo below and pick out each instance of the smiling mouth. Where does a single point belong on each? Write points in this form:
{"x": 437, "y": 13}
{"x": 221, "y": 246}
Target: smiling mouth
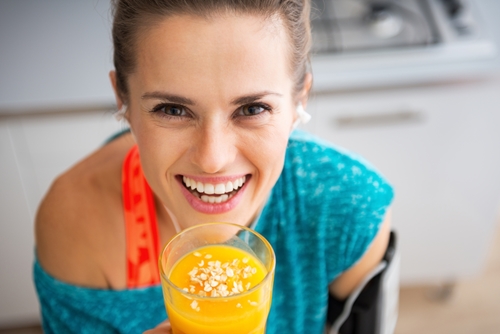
{"x": 214, "y": 193}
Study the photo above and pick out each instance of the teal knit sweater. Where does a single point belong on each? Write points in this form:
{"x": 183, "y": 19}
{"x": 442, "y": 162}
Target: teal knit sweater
{"x": 320, "y": 218}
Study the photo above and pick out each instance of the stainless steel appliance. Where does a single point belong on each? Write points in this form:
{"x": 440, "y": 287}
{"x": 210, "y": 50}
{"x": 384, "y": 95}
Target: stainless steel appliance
{"x": 358, "y": 25}
{"x": 353, "y": 25}
{"x": 364, "y": 36}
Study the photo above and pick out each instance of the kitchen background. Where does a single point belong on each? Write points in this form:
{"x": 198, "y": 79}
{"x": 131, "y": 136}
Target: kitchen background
{"x": 412, "y": 85}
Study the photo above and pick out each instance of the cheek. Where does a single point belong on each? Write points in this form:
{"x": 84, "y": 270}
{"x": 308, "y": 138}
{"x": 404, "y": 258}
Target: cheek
{"x": 159, "y": 150}
{"x": 267, "y": 152}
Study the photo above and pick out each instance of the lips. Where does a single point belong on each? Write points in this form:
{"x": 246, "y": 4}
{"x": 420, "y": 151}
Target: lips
{"x": 215, "y": 195}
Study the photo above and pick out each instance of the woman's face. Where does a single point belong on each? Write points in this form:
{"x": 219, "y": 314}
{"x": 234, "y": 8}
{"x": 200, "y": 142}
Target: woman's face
{"x": 211, "y": 108}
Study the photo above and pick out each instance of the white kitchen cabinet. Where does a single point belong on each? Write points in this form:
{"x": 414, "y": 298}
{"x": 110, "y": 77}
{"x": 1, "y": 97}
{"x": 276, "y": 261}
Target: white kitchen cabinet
{"x": 53, "y": 143}
{"x": 17, "y": 296}
{"x": 33, "y": 151}
{"x": 440, "y": 147}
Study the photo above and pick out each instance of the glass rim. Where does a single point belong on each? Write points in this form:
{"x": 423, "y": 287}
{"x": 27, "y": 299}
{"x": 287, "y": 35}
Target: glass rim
{"x": 196, "y": 296}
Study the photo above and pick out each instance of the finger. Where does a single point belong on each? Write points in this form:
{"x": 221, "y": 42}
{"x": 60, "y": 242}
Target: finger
{"x": 164, "y": 325}
{"x": 162, "y": 328}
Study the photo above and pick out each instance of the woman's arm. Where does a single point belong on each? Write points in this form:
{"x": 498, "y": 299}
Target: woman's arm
{"x": 345, "y": 284}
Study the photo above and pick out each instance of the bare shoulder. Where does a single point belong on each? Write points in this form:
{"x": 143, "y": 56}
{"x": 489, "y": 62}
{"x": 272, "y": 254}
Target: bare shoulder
{"x": 79, "y": 224}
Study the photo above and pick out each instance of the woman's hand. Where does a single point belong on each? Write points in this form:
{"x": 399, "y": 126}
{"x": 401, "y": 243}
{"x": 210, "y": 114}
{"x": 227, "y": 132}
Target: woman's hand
{"x": 163, "y": 328}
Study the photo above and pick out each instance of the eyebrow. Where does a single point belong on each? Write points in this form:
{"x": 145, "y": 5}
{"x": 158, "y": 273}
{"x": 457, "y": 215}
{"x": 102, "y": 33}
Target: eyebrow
{"x": 252, "y": 97}
{"x": 168, "y": 97}
{"x": 246, "y": 99}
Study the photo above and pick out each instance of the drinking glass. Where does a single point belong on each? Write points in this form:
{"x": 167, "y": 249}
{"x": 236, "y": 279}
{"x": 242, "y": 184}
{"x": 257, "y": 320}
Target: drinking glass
{"x": 217, "y": 278}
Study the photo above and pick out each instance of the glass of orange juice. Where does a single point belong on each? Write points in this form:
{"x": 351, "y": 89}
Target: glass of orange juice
{"x": 217, "y": 278}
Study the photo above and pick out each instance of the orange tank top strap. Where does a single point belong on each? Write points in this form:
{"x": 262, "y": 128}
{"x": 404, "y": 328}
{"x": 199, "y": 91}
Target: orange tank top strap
{"x": 142, "y": 239}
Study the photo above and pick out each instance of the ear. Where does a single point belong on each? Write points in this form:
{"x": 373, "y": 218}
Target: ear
{"x": 302, "y": 98}
{"x": 304, "y": 94}
{"x": 112, "y": 78}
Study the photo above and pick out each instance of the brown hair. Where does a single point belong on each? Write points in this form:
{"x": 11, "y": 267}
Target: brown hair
{"x": 133, "y": 16}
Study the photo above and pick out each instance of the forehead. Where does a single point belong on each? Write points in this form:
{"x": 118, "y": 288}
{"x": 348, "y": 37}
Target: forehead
{"x": 227, "y": 53}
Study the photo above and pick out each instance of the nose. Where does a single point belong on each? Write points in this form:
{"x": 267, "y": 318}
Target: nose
{"x": 213, "y": 147}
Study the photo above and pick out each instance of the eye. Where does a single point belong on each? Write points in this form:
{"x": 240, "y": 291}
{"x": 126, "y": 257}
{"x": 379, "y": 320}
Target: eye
{"x": 170, "y": 110}
{"x": 253, "y": 109}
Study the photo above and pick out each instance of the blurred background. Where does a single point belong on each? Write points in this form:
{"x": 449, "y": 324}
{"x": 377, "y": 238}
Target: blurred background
{"x": 411, "y": 85}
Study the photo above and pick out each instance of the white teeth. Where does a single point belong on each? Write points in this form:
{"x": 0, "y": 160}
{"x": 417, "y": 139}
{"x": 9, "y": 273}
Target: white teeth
{"x": 199, "y": 187}
{"x": 220, "y": 189}
{"x": 209, "y": 189}
{"x": 214, "y": 199}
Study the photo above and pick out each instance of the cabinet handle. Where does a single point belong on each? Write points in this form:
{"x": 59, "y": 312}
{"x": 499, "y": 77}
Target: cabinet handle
{"x": 387, "y": 118}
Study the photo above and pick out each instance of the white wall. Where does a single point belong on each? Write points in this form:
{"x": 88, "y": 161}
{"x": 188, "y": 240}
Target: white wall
{"x": 54, "y": 54}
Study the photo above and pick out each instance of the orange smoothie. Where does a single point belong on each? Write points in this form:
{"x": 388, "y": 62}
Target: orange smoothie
{"x": 219, "y": 292}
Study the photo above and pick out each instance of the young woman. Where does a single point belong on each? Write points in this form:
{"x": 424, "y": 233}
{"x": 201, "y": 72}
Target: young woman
{"x": 212, "y": 91}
